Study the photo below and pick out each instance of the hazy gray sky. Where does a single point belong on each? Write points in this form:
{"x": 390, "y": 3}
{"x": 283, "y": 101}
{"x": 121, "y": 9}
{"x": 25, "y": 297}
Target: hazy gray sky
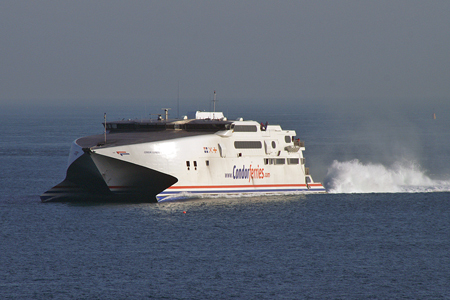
{"x": 107, "y": 49}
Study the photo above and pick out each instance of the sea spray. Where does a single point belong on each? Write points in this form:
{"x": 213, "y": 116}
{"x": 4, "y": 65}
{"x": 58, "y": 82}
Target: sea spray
{"x": 402, "y": 176}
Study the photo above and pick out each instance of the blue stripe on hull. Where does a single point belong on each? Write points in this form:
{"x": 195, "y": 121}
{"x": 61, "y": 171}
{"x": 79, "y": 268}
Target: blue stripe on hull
{"x": 186, "y": 194}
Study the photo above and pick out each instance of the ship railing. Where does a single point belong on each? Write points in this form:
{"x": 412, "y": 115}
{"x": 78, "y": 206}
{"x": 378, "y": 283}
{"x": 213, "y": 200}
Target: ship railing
{"x": 299, "y": 143}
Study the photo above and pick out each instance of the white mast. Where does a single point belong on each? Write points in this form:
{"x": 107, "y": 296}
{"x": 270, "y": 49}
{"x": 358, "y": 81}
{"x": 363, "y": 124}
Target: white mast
{"x": 167, "y": 113}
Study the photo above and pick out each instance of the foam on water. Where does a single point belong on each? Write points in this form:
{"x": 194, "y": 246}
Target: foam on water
{"x": 401, "y": 177}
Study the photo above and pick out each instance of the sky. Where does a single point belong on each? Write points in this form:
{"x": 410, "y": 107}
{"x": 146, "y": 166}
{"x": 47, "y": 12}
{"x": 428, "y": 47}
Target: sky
{"x": 103, "y": 50}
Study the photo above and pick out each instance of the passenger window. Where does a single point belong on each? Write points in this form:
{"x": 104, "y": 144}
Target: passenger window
{"x": 293, "y": 161}
{"x": 280, "y": 161}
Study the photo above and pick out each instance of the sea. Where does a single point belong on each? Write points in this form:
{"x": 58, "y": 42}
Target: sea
{"x": 381, "y": 232}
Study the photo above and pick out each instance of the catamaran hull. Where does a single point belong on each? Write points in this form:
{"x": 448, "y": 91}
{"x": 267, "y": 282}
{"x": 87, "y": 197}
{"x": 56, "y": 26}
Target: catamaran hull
{"x": 85, "y": 181}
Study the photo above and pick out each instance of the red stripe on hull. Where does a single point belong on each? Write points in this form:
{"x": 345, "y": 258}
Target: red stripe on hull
{"x": 235, "y": 186}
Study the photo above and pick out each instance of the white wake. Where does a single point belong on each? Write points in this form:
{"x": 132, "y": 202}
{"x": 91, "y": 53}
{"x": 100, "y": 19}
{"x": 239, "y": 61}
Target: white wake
{"x": 402, "y": 177}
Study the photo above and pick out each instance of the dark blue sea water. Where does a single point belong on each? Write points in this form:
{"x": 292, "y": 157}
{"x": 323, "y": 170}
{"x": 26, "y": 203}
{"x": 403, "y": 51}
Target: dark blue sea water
{"x": 381, "y": 232}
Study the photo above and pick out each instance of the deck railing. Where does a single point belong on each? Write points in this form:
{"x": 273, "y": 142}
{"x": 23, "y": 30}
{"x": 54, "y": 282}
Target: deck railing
{"x": 299, "y": 143}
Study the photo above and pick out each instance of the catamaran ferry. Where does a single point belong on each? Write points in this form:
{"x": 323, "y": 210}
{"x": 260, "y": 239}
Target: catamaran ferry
{"x": 163, "y": 160}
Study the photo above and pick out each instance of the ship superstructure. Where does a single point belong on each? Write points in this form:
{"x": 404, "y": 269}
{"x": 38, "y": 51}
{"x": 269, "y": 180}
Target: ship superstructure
{"x": 162, "y": 160}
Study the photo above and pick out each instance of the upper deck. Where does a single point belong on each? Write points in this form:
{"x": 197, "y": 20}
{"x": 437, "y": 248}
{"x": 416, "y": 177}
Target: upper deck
{"x": 161, "y": 125}
{"x": 126, "y": 132}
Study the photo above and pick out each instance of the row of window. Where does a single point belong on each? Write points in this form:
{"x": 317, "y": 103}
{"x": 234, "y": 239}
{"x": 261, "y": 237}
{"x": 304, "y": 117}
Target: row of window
{"x": 282, "y": 161}
{"x": 194, "y": 163}
{"x": 256, "y": 144}
{"x": 267, "y": 161}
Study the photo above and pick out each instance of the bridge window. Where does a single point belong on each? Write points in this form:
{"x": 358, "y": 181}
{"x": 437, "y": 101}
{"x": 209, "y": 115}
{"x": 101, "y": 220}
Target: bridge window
{"x": 245, "y": 128}
{"x": 247, "y": 145}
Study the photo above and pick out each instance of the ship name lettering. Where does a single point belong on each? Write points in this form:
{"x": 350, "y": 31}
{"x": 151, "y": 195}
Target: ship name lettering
{"x": 248, "y": 173}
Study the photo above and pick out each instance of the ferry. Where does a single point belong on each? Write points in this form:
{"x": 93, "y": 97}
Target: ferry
{"x": 204, "y": 155}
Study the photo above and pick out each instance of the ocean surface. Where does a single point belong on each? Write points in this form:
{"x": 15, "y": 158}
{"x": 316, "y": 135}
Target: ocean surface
{"x": 381, "y": 232}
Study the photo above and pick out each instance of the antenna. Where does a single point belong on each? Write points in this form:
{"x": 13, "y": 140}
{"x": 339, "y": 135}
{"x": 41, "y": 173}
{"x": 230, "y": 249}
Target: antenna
{"x": 178, "y": 100}
{"x": 104, "y": 116}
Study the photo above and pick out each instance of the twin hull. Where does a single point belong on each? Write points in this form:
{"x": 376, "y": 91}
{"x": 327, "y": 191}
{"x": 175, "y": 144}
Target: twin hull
{"x": 225, "y": 162}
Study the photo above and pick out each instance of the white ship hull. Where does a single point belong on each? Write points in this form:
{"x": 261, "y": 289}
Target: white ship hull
{"x": 185, "y": 164}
